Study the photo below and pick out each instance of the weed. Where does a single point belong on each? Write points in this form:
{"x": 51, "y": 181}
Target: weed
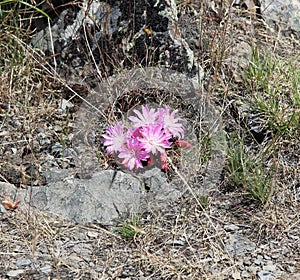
{"x": 98, "y": 155}
{"x": 237, "y": 164}
{"x": 273, "y": 85}
{"x": 24, "y": 3}
{"x": 248, "y": 174}
{"x": 131, "y": 228}
{"x": 260, "y": 184}
{"x": 204, "y": 201}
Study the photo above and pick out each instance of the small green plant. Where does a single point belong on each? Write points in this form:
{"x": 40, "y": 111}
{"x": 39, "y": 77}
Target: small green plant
{"x": 261, "y": 184}
{"x": 98, "y": 155}
{"x": 63, "y": 141}
{"x": 248, "y": 173}
{"x": 205, "y": 148}
{"x": 131, "y": 228}
{"x": 237, "y": 164}
{"x": 274, "y": 90}
{"x": 16, "y": 16}
{"x": 24, "y": 3}
{"x": 204, "y": 201}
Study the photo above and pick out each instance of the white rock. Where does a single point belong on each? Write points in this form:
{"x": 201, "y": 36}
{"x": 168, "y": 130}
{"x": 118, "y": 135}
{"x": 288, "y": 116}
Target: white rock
{"x": 265, "y": 275}
{"x": 46, "y": 269}
{"x": 271, "y": 268}
{"x": 15, "y": 273}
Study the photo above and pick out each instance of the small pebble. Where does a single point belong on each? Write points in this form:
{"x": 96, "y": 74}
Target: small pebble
{"x": 265, "y": 275}
{"x": 175, "y": 242}
{"x": 23, "y": 262}
{"x": 231, "y": 227}
{"x": 275, "y": 256}
{"x": 99, "y": 269}
{"x": 258, "y": 259}
{"x": 247, "y": 261}
{"x": 236, "y": 275}
{"x": 15, "y": 273}
{"x": 271, "y": 268}
{"x": 2, "y": 209}
{"x": 245, "y": 274}
{"x": 253, "y": 269}
{"x": 46, "y": 269}
{"x": 285, "y": 250}
{"x": 291, "y": 269}
{"x": 92, "y": 234}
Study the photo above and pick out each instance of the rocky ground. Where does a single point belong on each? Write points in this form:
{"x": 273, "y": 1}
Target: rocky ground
{"x": 80, "y": 215}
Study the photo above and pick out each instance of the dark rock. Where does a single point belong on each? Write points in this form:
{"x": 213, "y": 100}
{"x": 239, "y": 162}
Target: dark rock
{"x": 90, "y": 42}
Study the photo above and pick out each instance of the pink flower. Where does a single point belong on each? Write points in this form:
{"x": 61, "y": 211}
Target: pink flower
{"x": 183, "y": 144}
{"x": 145, "y": 141}
{"x": 133, "y": 154}
{"x": 164, "y": 162}
{"x": 145, "y": 118}
{"x": 115, "y": 138}
{"x": 134, "y": 133}
{"x": 154, "y": 139}
{"x": 170, "y": 122}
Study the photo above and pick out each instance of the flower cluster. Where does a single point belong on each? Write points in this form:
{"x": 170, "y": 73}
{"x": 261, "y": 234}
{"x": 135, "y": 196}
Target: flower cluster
{"x": 151, "y": 132}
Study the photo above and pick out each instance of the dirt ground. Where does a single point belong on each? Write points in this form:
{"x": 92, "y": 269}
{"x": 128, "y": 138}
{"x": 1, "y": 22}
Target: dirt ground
{"x": 228, "y": 234}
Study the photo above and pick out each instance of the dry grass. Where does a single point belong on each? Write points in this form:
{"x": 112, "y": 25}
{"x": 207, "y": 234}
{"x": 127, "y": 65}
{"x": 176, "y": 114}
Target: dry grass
{"x": 183, "y": 241}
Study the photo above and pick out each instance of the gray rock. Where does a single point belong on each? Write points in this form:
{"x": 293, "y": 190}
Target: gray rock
{"x": 247, "y": 261}
{"x": 253, "y": 269}
{"x": 46, "y": 269}
{"x": 270, "y": 267}
{"x": 106, "y": 197}
{"x": 265, "y": 275}
{"x": 258, "y": 259}
{"x": 23, "y": 262}
{"x": 160, "y": 191}
{"x": 239, "y": 244}
{"x": 245, "y": 275}
{"x": 103, "y": 198}
{"x": 54, "y": 175}
{"x": 231, "y": 227}
{"x": 282, "y": 15}
{"x": 15, "y": 273}
{"x": 2, "y": 209}
{"x": 238, "y": 60}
